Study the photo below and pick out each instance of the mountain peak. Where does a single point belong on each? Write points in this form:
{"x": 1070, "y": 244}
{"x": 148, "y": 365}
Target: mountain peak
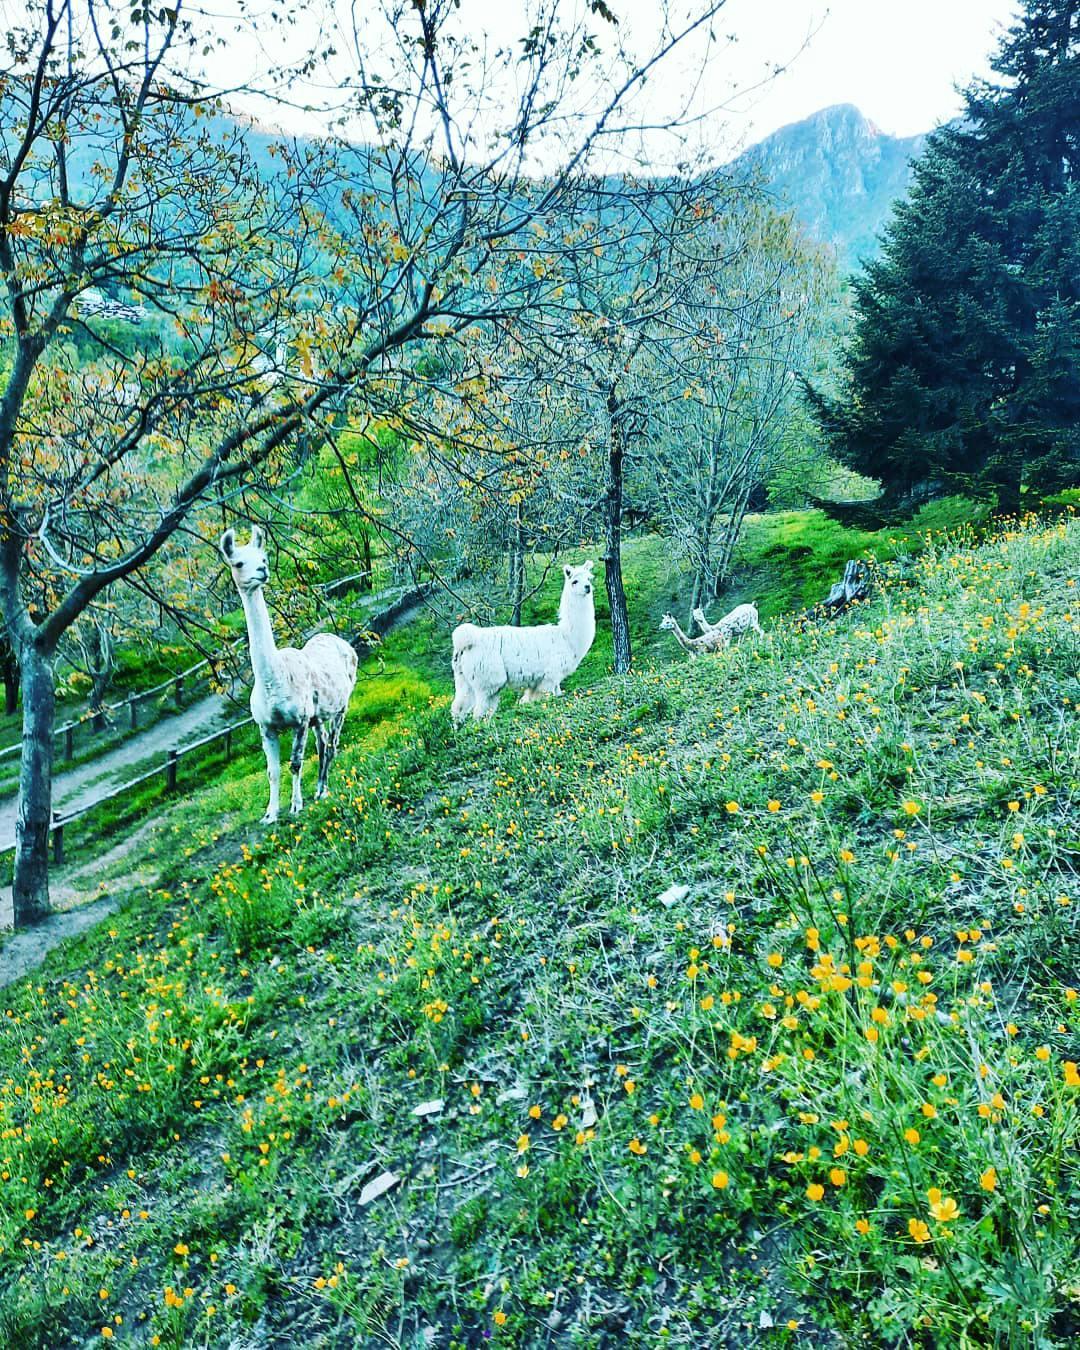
{"x": 840, "y": 172}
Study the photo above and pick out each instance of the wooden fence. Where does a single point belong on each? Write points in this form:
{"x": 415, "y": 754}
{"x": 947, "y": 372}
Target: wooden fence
{"x": 96, "y": 719}
{"x": 168, "y": 768}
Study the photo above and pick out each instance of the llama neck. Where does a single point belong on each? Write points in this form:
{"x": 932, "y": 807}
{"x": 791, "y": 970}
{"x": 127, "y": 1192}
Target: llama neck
{"x": 680, "y": 637}
{"x": 577, "y": 623}
{"x": 260, "y": 637}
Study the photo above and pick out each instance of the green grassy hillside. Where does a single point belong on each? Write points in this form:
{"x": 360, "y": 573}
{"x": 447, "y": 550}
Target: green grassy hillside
{"x": 449, "y": 1062}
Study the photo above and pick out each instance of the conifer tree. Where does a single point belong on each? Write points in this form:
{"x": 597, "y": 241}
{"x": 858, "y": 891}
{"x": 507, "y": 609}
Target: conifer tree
{"x": 962, "y": 372}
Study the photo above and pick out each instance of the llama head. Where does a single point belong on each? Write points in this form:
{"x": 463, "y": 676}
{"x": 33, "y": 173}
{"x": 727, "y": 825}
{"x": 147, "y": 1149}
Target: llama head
{"x": 247, "y": 562}
{"x": 578, "y": 581}
{"x": 699, "y": 616}
{"x": 668, "y": 624}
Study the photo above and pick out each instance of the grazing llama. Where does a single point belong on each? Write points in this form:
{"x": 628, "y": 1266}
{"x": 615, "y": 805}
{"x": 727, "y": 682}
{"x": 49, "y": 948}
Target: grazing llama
{"x": 742, "y": 619}
{"x": 294, "y": 690}
{"x": 708, "y": 642}
{"x": 534, "y": 660}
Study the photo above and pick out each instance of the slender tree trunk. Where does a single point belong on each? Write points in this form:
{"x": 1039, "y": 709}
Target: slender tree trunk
{"x": 368, "y": 582}
{"x": 31, "y": 888}
{"x": 99, "y": 659}
{"x": 704, "y": 570}
{"x": 613, "y": 578}
{"x": 9, "y": 671}
{"x": 517, "y": 568}
{"x": 731, "y": 535}
{"x": 697, "y": 595}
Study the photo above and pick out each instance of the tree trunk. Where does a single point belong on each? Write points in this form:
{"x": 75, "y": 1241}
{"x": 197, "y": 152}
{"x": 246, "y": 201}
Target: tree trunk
{"x": 368, "y": 582}
{"x": 697, "y": 595}
{"x": 731, "y": 535}
{"x": 9, "y": 672}
{"x": 99, "y": 660}
{"x": 613, "y": 578}
{"x": 31, "y": 888}
{"x": 1008, "y": 475}
{"x": 705, "y": 577}
{"x": 517, "y": 569}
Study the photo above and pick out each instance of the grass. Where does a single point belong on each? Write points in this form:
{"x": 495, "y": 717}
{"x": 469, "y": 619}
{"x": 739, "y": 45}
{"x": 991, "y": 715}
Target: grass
{"x": 826, "y": 1094}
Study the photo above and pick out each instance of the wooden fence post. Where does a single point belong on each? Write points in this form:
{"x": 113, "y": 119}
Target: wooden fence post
{"x": 170, "y": 771}
{"x": 132, "y": 706}
{"x": 179, "y": 690}
{"x": 69, "y": 742}
{"x": 57, "y": 839}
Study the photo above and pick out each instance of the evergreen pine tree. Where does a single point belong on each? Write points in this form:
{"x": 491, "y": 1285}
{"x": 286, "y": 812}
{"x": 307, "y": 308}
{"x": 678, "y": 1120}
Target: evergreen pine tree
{"x": 962, "y": 371}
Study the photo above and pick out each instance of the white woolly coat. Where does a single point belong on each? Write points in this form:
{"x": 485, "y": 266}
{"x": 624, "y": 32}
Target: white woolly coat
{"x": 524, "y": 658}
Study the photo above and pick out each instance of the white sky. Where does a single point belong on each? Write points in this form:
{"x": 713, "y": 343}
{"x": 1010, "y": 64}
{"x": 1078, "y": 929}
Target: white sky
{"x": 897, "y": 60}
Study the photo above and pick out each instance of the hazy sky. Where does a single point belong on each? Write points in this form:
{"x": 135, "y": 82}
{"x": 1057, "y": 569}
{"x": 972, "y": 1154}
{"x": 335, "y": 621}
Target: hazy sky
{"x": 898, "y": 62}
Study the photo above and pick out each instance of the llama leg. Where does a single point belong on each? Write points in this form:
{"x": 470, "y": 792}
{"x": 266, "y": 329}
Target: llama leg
{"x": 333, "y": 741}
{"x": 324, "y": 740}
{"x": 272, "y": 751}
{"x": 296, "y": 764}
{"x": 463, "y": 697}
{"x": 334, "y": 733}
{"x": 484, "y": 706}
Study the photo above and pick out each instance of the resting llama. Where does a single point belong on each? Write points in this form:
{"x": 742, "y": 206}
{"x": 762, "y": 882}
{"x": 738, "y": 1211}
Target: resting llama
{"x": 742, "y": 619}
{"x": 294, "y": 690}
{"x": 534, "y": 660}
{"x": 714, "y": 636}
{"x": 693, "y": 646}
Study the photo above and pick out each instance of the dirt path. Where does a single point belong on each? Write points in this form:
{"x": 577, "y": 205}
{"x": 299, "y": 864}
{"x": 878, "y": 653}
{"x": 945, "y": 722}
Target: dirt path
{"x": 25, "y": 950}
{"x": 86, "y": 783}
{"x": 73, "y": 912}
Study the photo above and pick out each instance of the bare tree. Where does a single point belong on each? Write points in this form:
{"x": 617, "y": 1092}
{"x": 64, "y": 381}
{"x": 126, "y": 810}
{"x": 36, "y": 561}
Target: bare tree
{"x": 634, "y": 268}
{"x": 747, "y": 329}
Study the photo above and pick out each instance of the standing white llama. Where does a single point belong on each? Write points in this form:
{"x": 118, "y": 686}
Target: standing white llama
{"x": 534, "y": 660}
{"x": 294, "y": 690}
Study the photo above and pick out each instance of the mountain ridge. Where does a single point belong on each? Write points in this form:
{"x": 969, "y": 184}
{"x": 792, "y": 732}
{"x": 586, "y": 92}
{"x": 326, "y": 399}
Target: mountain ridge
{"x": 839, "y": 172}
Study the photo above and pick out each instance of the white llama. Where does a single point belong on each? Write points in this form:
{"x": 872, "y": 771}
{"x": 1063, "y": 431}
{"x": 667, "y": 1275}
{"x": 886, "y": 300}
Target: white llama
{"x": 711, "y": 641}
{"x": 534, "y": 660}
{"x": 294, "y": 690}
{"x": 742, "y": 619}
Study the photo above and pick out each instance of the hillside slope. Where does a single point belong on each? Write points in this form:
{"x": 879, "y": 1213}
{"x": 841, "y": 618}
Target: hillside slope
{"x": 448, "y": 1062}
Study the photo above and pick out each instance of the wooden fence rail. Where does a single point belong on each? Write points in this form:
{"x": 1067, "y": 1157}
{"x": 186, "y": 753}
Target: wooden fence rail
{"x": 168, "y": 768}
{"x": 94, "y": 718}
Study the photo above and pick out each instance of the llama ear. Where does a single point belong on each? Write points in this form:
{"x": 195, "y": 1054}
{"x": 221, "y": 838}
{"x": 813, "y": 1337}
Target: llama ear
{"x": 228, "y": 543}
{"x": 257, "y": 537}
{"x": 589, "y": 565}
{"x": 567, "y": 569}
